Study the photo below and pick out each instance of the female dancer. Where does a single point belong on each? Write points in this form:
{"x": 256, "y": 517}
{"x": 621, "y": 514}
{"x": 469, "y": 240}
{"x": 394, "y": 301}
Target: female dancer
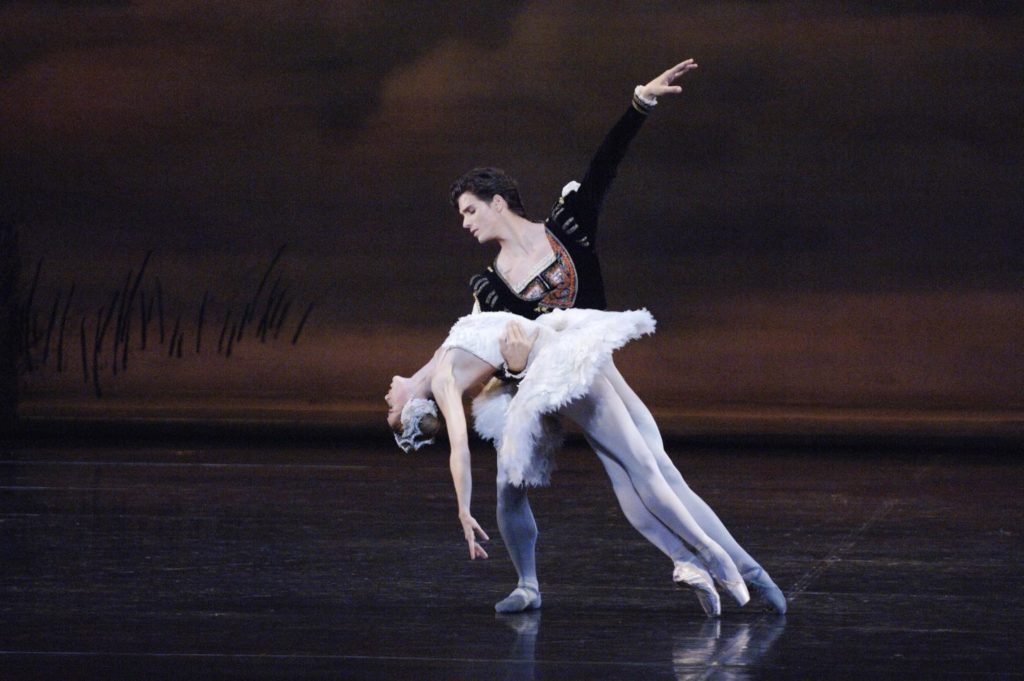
{"x": 570, "y": 373}
{"x": 553, "y": 265}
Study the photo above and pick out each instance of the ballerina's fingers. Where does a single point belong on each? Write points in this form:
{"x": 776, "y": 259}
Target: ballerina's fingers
{"x": 471, "y": 529}
{"x": 479, "y": 530}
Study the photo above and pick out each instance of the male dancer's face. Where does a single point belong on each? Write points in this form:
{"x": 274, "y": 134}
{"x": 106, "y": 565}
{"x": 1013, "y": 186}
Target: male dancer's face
{"x": 480, "y": 217}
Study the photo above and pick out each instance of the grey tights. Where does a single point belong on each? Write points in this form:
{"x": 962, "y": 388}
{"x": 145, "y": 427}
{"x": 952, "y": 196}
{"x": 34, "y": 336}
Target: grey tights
{"x": 651, "y": 492}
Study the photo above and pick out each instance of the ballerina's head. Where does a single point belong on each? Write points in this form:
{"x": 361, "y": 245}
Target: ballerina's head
{"x": 415, "y": 421}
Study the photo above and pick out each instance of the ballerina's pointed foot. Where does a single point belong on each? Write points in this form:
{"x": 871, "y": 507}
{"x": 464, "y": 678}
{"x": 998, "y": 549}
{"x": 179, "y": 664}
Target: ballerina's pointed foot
{"x": 689, "y": 576}
{"x": 759, "y": 580}
{"x": 725, "y": 573}
{"x": 521, "y": 599}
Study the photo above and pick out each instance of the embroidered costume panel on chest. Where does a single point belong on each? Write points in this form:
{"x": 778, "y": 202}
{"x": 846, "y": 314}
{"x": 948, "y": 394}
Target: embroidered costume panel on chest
{"x": 557, "y": 284}
{"x": 573, "y": 277}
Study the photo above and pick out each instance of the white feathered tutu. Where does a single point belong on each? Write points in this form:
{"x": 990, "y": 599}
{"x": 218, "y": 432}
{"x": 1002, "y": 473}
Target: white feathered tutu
{"x": 571, "y": 349}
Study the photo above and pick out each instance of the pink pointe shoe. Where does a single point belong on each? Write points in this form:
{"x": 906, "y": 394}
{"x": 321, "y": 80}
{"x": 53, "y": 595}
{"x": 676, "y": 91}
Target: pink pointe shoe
{"x": 725, "y": 573}
{"x": 689, "y": 576}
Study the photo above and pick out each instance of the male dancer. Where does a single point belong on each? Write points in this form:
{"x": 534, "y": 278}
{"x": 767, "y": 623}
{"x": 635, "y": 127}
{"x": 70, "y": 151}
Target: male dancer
{"x": 553, "y": 265}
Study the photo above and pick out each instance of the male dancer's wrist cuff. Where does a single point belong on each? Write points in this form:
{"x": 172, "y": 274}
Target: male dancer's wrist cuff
{"x": 641, "y": 103}
{"x": 509, "y": 376}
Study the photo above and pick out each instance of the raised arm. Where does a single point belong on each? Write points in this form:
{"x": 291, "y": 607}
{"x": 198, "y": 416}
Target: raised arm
{"x": 454, "y": 373}
{"x": 664, "y": 84}
{"x": 604, "y": 165}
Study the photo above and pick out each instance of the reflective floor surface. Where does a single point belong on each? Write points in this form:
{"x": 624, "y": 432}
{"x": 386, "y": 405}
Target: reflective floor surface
{"x": 345, "y": 561}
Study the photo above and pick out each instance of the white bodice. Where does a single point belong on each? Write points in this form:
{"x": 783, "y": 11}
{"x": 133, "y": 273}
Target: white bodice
{"x": 572, "y": 347}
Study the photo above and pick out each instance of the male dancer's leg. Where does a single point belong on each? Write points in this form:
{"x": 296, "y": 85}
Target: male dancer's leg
{"x": 519, "y": 532}
{"x": 752, "y": 572}
{"x": 611, "y": 431}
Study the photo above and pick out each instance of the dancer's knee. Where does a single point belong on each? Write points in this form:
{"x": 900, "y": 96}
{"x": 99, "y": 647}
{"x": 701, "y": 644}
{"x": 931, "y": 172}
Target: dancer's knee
{"x": 510, "y": 497}
{"x": 673, "y": 477}
{"x": 643, "y": 466}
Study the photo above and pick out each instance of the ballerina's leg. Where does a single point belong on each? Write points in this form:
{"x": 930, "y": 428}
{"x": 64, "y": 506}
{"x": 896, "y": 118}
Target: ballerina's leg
{"x": 753, "y": 573}
{"x": 688, "y": 570}
{"x": 613, "y": 434}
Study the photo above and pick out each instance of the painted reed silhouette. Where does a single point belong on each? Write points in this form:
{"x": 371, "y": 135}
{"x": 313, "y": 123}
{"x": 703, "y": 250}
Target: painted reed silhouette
{"x": 112, "y": 328}
{"x": 10, "y": 322}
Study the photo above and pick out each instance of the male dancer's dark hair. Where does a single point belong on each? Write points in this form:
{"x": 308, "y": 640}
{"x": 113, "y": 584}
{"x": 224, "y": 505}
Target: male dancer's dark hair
{"x": 485, "y": 184}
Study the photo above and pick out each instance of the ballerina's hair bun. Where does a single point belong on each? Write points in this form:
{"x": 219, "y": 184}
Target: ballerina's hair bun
{"x": 420, "y": 424}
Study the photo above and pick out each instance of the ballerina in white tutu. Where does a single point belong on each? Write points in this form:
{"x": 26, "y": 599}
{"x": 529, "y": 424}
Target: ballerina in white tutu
{"x": 570, "y": 374}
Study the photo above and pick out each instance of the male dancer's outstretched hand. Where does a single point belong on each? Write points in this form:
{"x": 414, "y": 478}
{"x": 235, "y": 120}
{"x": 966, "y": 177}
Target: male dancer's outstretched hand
{"x": 663, "y": 84}
{"x": 470, "y": 528}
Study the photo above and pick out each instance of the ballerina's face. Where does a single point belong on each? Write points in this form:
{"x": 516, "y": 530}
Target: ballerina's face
{"x": 398, "y": 394}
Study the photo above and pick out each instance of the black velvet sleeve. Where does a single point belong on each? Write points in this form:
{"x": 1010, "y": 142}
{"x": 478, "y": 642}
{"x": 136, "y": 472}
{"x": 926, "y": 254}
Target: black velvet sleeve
{"x": 586, "y": 201}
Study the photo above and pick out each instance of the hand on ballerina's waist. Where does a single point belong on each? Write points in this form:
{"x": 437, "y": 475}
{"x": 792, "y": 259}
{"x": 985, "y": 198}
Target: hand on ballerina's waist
{"x": 515, "y": 346}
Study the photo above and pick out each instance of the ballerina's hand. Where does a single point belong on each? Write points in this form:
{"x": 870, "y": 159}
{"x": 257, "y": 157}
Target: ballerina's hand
{"x": 663, "y": 84}
{"x": 470, "y": 528}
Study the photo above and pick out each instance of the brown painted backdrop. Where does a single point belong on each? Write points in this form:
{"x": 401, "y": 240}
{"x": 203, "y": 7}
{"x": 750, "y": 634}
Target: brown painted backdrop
{"x": 829, "y": 216}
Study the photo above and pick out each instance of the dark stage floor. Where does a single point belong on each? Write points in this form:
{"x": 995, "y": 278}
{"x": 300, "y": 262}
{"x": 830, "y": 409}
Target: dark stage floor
{"x": 347, "y": 562}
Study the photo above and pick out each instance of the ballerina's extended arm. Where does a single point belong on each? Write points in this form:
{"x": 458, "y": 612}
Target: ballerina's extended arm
{"x": 454, "y": 373}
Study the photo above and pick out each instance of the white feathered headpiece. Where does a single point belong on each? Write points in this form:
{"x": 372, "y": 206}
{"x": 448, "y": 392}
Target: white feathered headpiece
{"x": 412, "y": 436}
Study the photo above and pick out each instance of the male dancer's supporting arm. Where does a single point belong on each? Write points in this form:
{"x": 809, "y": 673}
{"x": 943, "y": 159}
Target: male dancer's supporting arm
{"x": 515, "y": 347}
